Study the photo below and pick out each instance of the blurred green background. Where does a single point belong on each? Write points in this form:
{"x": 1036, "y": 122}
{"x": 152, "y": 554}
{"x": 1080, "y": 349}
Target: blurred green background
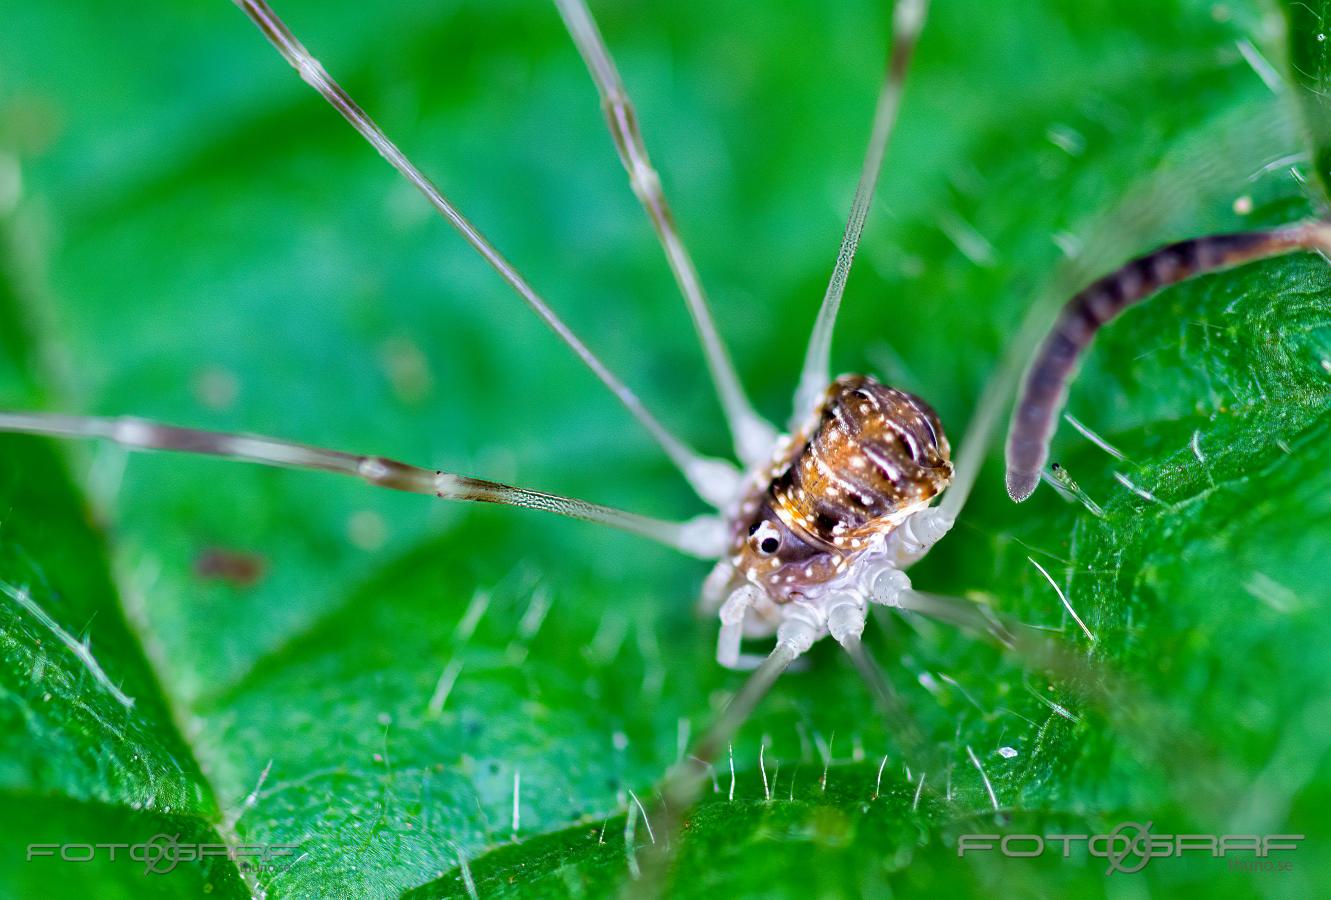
{"x": 190, "y": 235}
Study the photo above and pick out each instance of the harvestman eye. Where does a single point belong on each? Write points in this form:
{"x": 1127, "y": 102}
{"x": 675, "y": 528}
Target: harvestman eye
{"x": 868, "y": 523}
{"x": 764, "y": 537}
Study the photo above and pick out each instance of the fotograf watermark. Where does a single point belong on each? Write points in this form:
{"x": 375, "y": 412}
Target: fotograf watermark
{"x": 1132, "y": 845}
{"x": 161, "y": 853}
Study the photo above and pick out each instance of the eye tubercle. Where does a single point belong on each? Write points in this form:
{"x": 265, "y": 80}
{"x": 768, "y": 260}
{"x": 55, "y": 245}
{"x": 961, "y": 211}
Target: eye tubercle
{"x": 765, "y": 538}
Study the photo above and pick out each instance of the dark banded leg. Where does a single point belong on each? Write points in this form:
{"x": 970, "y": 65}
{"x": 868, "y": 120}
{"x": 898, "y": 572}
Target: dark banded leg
{"x": 703, "y": 537}
{"x": 1045, "y": 387}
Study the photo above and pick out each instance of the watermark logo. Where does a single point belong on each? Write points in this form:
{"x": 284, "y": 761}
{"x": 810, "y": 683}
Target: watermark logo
{"x": 161, "y": 853}
{"x": 1131, "y": 846}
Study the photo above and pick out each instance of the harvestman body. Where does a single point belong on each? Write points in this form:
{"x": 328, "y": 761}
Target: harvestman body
{"x": 828, "y": 527}
{"x": 820, "y": 522}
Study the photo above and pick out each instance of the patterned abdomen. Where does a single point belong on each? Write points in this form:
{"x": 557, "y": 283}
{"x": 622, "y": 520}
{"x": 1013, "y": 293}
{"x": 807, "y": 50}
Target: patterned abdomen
{"x": 871, "y": 456}
{"x": 875, "y": 454}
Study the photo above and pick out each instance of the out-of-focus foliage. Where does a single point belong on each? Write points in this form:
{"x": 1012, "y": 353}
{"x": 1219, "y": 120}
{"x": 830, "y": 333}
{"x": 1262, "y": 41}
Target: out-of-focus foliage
{"x": 190, "y": 235}
{"x": 1310, "y": 69}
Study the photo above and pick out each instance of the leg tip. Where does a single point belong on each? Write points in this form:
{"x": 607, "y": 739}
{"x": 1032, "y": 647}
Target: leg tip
{"x": 1020, "y": 485}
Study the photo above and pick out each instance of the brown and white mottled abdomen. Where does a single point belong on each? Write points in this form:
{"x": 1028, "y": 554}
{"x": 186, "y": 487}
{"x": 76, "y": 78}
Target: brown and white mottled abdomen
{"x": 874, "y": 452}
{"x": 872, "y": 455}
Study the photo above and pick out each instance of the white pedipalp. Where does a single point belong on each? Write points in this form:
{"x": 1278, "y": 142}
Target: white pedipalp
{"x": 732, "y": 614}
{"x": 917, "y": 535}
{"x": 839, "y": 606}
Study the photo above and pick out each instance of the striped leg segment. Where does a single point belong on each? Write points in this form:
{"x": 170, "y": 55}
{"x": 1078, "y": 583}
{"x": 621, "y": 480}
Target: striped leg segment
{"x": 1045, "y": 387}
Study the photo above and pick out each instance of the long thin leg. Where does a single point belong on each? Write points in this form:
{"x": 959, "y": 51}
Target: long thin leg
{"x": 980, "y": 430}
{"x": 890, "y": 705}
{"x": 845, "y": 623}
{"x": 704, "y": 536}
{"x": 1046, "y": 384}
{"x": 973, "y": 617}
{"x": 684, "y": 783}
{"x": 1134, "y": 712}
{"x": 752, "y": 435}
{"x": 714, "y": 480}
{"x": 907, "y": 21}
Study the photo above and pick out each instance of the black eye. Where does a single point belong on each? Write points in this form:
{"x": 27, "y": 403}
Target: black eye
{"x": 769, "y": 545}
{"x": 754, "y": 526}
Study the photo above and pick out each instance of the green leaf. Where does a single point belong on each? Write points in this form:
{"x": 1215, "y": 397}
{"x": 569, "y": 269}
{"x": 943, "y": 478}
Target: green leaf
{"x": 1310, "y": 72}
{"x": 431, "y": 698}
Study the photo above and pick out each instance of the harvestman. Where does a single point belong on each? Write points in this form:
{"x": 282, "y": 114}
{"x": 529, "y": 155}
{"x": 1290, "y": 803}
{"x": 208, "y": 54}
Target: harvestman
{"x": 816, "y": 523}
